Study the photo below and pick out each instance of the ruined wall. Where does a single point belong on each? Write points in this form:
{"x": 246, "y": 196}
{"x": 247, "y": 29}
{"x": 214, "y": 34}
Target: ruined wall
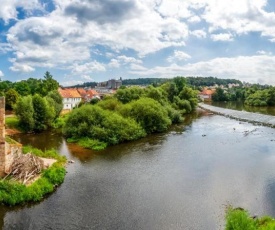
{"x": 12, "y": 151}
{"x": 2, "y": 137}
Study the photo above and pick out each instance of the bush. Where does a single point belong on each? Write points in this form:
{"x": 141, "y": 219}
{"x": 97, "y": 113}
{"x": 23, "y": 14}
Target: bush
{"x": 239, "y": 219}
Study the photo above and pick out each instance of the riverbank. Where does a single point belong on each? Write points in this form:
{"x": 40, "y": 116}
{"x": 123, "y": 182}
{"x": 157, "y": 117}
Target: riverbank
{"x": 13, "y": 192}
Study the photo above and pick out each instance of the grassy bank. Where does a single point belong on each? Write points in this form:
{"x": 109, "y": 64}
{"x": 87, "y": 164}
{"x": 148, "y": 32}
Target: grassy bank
{"x": 240, "y": 219}
{"x": 13, "y": 193}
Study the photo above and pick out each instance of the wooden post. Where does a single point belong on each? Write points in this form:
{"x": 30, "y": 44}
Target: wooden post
{"x": 2, "y": 137}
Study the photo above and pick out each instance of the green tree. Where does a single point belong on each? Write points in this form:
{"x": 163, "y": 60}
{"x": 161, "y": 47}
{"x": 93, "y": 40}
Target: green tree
{"x": 48, "y": 84}
{"x": 43, "y": 114}
{"x": 150, "y": 114}
{"x": 55, "y": 100}
{"x": 219, "y": 95}
{"x": 128, "y": 94}
{"x": 22, "y": 88}
{"x": 11, "y": 98}
{"x": 24, "y": 111}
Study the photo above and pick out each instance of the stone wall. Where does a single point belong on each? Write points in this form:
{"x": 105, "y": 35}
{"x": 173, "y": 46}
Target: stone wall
{"x": 2, "y": 137}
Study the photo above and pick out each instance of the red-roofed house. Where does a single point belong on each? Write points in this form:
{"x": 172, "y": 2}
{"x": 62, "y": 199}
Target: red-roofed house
{"x": 206, "y": 94}
{"x": 88, "y": 95}
{"x": 71, "y": 98}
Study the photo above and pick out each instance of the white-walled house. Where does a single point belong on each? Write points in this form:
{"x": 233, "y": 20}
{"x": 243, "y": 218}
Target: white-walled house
{"x": 71, "y": 98}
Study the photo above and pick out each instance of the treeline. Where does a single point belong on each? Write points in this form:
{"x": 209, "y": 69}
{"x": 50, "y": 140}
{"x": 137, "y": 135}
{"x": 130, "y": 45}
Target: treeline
{"x": 193, "y": 81}
{"x": 14, "y": 90}
{"x": 211, "y": 81}
{"x": 255, "y": 95}
{"x": 130, "y": 114}
{"x": 36, "y": 102}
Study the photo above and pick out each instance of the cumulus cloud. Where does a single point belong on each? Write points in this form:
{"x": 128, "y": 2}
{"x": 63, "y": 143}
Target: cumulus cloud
{"x": 1, "y": 74}
{"x": 222, "y": 37}
{"x": 178, "y": 56}
{"x": 102, "y": 11}
{"x": 246, "y": 68}
{"x": 198, "y": 33}
{"x": 88, "y": 67}
{"x": 8, "y": 9}
{"x": 16, "y": 67}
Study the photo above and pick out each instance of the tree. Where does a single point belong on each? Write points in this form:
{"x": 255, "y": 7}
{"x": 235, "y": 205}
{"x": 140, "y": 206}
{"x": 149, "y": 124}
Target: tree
{"x": 48, "y": 84}
{"x": 11, "y": 98}
{"x": 22, "y": 88}
{"x": 24, "y": 111}
{"x": 150, "y": 114}
{"x": 55, "y": 100}
{"x": 43, "y": 114}
{"x": 219, "y": 95}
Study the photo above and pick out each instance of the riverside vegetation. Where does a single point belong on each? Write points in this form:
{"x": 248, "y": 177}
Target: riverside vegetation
{"x": 130, "y": 114}
{"x": 13, "y": 193}
{"x": 239, "y": 219}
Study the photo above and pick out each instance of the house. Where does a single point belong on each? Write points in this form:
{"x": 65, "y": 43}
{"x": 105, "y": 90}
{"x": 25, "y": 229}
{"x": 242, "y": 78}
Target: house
{"x": 71, "y": 98}
{"x": 206, "y": 94}
{"x": 88, "y": 94}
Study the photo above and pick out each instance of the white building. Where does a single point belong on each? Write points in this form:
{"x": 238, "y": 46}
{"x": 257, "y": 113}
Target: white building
{"x": 71, "y": 98}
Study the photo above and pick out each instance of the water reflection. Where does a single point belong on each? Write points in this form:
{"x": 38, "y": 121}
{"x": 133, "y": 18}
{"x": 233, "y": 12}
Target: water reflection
{"x": 239, "y": 105}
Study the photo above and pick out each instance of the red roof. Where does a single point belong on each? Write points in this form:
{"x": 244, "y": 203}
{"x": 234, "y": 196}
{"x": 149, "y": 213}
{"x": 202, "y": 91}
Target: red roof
{"x": 69, "y": 93}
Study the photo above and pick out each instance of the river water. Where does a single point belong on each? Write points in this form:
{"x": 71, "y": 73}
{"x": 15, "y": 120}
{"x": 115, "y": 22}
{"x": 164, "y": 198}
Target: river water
{"x": 181, "y": 179}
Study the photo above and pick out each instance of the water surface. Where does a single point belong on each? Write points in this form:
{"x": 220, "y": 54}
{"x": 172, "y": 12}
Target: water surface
{"x": 181, "y": 179}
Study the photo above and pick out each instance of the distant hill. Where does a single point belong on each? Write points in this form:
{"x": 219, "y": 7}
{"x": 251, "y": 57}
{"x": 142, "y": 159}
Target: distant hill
{"x": 194, "y": 81}
{"x": 210, "y": 81}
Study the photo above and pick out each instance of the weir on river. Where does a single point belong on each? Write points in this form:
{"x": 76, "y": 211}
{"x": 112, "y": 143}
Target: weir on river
{"x": 258, "y": 118}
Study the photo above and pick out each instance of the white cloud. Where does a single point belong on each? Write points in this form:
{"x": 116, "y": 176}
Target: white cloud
{"x": 17, "y": 67}
{"x": 136, "y": 67}
{"x": 126, "y": 59}
{"x": 1, "y": 74}
{"x": 194, "y": 19}
{"x": 178, "y": 56}
{"x": 258, "y": 68}
{"x": 65, "y": 36}
{"x": 88, "y": 67}
{"x": 198, "y": 33}
{"x": 262, "y": 52}
{"x": 87, "y": 78}
{"x": 222, "y": 37}
{"x": 8, "y": 8}
{"x": 114, "y": 63}
{"x": 71, "y": 82}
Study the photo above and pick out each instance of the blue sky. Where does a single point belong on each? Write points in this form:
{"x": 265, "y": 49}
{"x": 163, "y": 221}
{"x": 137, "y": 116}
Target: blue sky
{"x": 96, "y": 40}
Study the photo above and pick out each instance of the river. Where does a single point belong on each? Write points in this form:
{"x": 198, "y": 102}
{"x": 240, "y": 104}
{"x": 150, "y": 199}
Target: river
{"x": 181, "y": 179}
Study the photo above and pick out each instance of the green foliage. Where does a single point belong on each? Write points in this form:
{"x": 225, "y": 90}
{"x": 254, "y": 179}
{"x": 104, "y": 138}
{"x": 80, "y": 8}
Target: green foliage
{"x": 219, "y": 95}
{"x": 25, "y": 113}
{"x": 36, "y": 113}
{"x": 129, "y": 94}
{"x": 106, "y": 126}
{"x": 91, "y": 144}
{"x": 11, "y": 98}
{"x": 239, "y": 219}
{"x": 109, "y": 103}
{"x": 43, "y": 114}
{"x": 56, "y": 101}
{"x": 150, "y": 114}
{"x": 13, "y": 193}
{"x": 48, "y": 84}
{"x": 260, "y": 97}
{"x": 59, "y": 122}
{"x": 12, "y": 122}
